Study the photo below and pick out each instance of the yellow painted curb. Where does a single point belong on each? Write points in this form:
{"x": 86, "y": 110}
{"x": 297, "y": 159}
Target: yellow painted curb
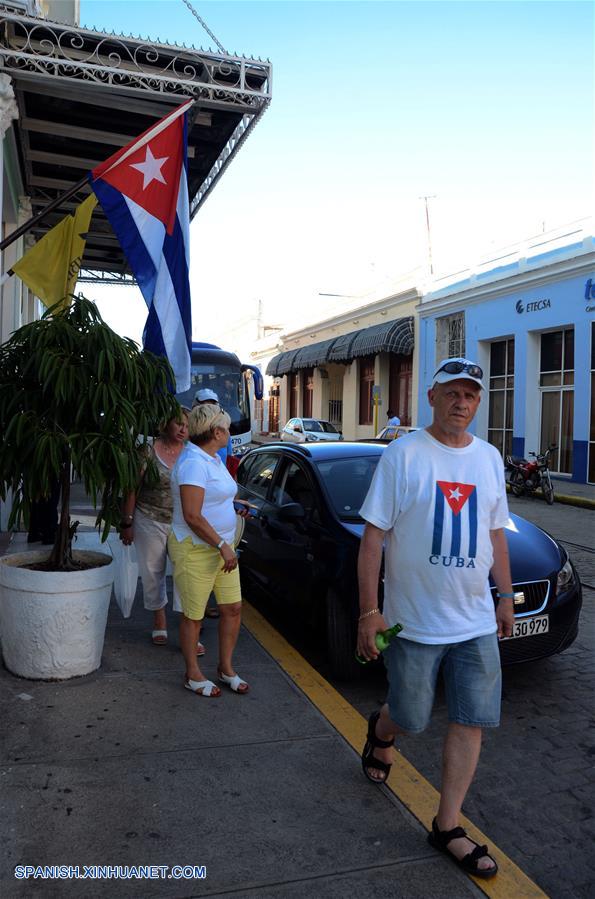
{"x": 567, "y": 499}
{"x": 407, "y": 784}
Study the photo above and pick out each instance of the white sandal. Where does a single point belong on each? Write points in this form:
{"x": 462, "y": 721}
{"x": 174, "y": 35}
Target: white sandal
{"x": 234, "y": 682}
{"x": 202, "y": 687}
{"x": 159, "y": 637}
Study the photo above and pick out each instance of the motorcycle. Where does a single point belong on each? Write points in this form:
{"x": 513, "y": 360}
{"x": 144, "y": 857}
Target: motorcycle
{"x": 527, "y": 475}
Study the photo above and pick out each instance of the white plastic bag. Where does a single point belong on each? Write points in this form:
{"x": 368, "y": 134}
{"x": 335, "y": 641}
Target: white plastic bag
{"x": 126, "y": 578}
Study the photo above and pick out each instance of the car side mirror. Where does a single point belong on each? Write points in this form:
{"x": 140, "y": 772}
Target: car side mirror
{"x": 292, "y": 512}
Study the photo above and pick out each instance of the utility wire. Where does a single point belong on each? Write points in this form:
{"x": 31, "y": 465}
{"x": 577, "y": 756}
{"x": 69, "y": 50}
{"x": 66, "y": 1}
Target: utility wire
{"x": 204, "y": 25}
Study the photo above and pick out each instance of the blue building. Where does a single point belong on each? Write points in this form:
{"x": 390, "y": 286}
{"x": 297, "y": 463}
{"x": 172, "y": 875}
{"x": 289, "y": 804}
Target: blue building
{"x": 528, "y": 318}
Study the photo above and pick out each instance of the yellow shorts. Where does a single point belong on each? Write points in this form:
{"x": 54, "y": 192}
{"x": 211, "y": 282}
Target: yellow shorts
{"x": 197, "y": 573}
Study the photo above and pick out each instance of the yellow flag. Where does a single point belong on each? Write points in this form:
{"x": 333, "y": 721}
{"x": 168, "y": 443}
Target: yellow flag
{"x": 50, "y": 268}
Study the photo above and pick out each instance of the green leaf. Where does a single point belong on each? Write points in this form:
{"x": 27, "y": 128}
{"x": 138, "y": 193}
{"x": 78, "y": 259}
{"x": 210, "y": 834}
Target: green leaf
{"x": 71, "y": 388}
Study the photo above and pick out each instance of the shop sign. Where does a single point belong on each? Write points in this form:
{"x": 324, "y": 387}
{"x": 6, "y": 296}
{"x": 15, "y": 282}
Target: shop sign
{"x": 589, "y": 295}
{"x": 533, "y": 306}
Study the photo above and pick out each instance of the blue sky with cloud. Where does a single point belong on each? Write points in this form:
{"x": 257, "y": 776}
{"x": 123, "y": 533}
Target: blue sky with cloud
{"x": 486, "y": 105}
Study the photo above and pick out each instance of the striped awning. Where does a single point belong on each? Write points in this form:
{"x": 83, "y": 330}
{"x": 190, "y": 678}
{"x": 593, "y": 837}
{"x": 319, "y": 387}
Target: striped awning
{"x": 388, "y": 337}
{"x": 282, "y": 363}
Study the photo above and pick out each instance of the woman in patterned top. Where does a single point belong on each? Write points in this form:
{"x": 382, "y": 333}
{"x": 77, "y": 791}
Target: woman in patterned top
{"x": 146, "y": 521}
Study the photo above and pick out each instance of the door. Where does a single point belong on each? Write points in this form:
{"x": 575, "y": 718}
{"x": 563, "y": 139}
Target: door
{"x": 307, "y": 392}
{"x": 399, "y": 390}
{"x": 294, "y": 386}
{"x": 255, "y": 483}
{"x": 291, "y": 545}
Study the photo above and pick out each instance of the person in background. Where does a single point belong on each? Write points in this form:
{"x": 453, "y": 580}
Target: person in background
{"x": 201, "y": 546}
{"x": 392, "y": 419}
{"x": 146, "y": 522}
{"x": 437, "y": 503}
{"x": 208, "y": 396}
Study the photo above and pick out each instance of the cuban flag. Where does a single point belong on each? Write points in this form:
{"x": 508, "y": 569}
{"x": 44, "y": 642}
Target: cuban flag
{"x": 455, "y": 520}
{"x": 143, "y": 190}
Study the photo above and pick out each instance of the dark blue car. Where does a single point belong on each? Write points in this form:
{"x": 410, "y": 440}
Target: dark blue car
{"x": 302, "y": 550}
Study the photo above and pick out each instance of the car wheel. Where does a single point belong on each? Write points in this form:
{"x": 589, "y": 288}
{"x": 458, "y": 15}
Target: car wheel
{"x": 548, "y": 490}
{"x": 340, "y": 639}
{"x": 517, "y": 483}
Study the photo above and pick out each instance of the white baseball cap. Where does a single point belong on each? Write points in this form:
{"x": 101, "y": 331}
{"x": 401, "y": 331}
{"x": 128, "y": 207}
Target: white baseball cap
{"x": 457, "y": 368}
{"x": 204, "y": 395}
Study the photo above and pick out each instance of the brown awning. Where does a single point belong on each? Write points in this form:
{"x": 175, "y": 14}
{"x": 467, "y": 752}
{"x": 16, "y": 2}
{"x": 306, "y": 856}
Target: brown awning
{"x": 389, "y": 337}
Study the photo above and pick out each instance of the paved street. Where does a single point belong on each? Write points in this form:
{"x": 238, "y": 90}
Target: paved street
{"x": 535, "y": 790}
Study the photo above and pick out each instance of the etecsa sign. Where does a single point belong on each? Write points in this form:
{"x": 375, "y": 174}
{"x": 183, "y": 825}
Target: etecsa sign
{"x": 589, "y": 295}
{"x": 533, "y": 306}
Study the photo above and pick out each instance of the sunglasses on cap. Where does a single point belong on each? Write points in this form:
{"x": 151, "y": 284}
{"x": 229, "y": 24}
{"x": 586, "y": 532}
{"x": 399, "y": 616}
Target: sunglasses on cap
{"x": 457, "y": 368}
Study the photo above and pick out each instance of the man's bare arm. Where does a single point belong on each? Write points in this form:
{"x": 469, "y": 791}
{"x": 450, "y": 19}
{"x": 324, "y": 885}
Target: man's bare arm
{"x": 501, "y": 575}
{"x": 368, "y": 570}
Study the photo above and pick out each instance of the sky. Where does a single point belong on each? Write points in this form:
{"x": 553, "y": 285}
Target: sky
{"x": 485, "y": 107}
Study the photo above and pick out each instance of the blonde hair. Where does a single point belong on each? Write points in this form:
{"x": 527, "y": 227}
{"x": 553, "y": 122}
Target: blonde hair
{"x": 203, "y": 420}
{"x": 183, "y": 414}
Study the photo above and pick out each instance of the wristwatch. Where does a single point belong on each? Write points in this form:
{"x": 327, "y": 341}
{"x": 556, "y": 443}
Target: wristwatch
{"x": 220, "y": 544}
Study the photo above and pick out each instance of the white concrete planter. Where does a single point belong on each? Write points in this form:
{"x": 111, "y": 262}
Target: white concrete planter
{"x": 52, "y": 623}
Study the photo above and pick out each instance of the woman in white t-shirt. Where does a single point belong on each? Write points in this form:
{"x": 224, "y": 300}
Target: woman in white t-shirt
{"x": 201, "y": 546}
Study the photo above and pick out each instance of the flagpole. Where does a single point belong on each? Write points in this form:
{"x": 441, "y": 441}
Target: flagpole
{"x": 139, "y": 142}
{"x": 41, "y": 215}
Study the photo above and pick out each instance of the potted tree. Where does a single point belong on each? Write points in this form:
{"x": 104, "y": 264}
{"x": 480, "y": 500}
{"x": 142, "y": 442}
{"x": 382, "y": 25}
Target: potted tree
{"x": 74, "y": 395}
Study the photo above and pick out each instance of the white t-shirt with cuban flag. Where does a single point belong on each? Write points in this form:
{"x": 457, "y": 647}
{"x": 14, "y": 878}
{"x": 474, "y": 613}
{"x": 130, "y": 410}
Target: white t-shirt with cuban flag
{"x": 438, "y": 505}
{"x": 198, "y": 469}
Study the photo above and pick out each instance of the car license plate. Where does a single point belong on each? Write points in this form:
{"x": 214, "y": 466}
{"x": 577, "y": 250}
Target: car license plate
{"x": 530, "y": 627}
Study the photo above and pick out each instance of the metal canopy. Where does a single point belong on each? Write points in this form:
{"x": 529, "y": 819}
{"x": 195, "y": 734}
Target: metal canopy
{"x": 84, "y": 94}
{"x": 315, "y": 354}
{"x": 340, "y": 351}
{"x": 389, "y": 337}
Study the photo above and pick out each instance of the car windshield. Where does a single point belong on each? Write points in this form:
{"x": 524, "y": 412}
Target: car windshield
{"x": 314, "y": 424}
{"x": 347, "y": 482}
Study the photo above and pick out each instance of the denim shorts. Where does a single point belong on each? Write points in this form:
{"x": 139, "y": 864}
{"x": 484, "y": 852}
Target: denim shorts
{"x": 472, "y": 678}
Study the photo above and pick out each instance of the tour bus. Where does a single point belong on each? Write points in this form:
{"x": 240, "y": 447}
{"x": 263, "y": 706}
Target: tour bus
{"x": 223, "y": 373}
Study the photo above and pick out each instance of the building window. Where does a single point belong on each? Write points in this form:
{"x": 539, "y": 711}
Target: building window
{"x": 307, "y": 391}
{"x": 591, "y": 467}
{"x": 501, "y": 396}
{"x": 366, "y": 384}
{"x": 556, "y": 381}
{"x": 450, "y": 336}
{"x": 335, "y": 398}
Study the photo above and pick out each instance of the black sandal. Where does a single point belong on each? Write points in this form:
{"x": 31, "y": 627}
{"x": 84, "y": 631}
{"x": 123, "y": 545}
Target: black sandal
{"x": 373, "y": 742}
{"x": 440, "y": 839}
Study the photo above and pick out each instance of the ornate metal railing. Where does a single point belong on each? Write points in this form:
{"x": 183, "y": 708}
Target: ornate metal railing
{"x": 36, "y": 46}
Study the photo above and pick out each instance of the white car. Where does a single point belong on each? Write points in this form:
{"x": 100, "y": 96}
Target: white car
{"x": 309, "y": 430}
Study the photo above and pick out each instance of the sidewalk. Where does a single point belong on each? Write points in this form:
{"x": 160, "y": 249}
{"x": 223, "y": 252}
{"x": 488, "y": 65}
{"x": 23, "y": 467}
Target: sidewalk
{"x": 125, "y": 767}
{"x": 572, "y": 494}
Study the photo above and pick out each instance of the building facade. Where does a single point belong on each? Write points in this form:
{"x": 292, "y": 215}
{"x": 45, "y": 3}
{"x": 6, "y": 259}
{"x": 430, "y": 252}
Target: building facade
{"x": 528, "y": 318}
{"x": 349, "y": 369}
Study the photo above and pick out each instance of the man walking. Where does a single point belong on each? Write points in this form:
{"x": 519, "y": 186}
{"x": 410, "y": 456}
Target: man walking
{"x": 437, "y": 503}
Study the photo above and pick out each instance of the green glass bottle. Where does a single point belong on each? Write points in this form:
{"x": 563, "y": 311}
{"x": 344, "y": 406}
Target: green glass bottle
{"x": 382, "y": 640}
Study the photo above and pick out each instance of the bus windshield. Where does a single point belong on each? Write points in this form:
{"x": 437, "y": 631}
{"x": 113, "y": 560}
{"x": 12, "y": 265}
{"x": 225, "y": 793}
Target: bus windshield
{"x": 229, "y": 384}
